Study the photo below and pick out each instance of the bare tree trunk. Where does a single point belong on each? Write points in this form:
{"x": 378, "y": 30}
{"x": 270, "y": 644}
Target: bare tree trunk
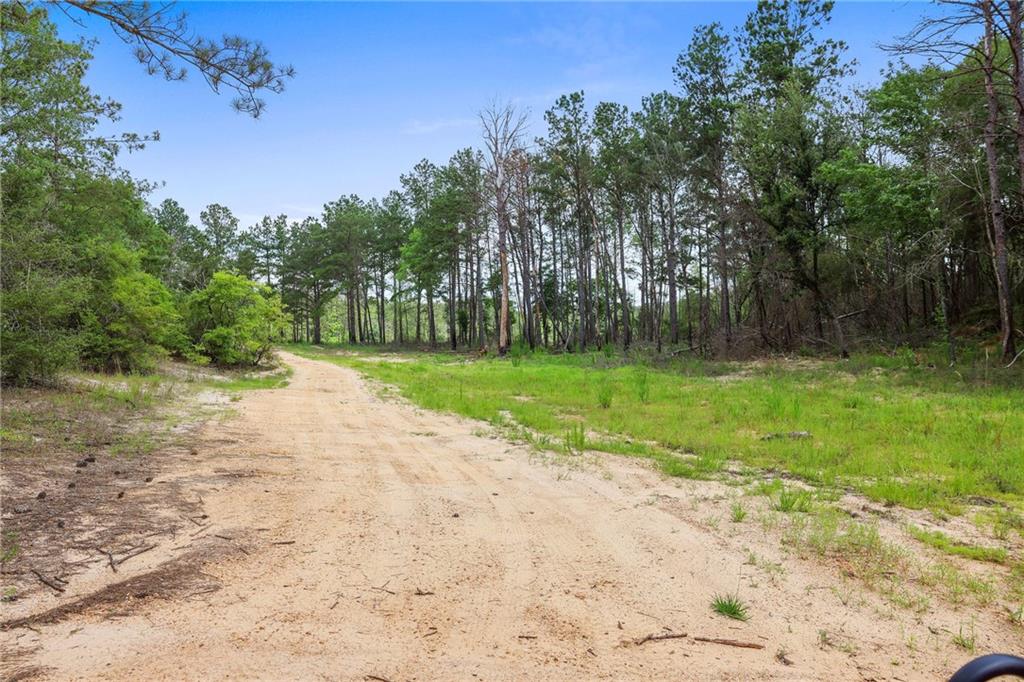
{"x": 995, "y": 192}
{"x": 481, "y": 315}
{"x": 350, "y": 319}
{"x": 723, "y": 276}
{"x": 1017, "y": 50}
{"x": 419, "y": 316}
{"x": 673, "y": 300}
{"x": 431, "y": 324}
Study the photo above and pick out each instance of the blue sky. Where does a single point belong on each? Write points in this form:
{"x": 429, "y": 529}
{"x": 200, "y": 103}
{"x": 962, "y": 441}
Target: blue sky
{"x": 381, "y": 85}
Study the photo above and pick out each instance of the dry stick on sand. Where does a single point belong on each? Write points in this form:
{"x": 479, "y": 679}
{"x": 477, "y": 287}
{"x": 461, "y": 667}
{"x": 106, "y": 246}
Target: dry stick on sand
{"x": 46, "y": 581}
{"x": 658, "y": 636}
{"x": 729, "y": 642}
{"x": 110, "y": 558}
{"x": 141, "y": 550}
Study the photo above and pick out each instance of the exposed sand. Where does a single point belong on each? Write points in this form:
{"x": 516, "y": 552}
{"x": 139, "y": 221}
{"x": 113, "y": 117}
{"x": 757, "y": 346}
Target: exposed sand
{"x": 417, "y": 550}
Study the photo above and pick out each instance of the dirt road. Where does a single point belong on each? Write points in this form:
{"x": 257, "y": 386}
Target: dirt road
{"x": 383, "y": 542}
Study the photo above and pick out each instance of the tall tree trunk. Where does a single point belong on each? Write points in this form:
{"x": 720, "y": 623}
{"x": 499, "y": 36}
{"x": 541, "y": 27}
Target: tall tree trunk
{"x": 503, "y": 330}
{"x": 626, "y": 327}
{"x": 350, "y": 320}
{"x": 723, "y": 276}
{"x": 452, "y": 296}
{"x": 995, "y": 192}
{"x": 947, "y": 308}
{"x": 419, "y": 316}
{"x": 1017, "y": 50}
{"x": 395, "y": 335}
{"x": 316, "y": 318}
{"x": 673, "y": 299}
{"x": 431, "y": 324}
{"x": 481, "y": 315}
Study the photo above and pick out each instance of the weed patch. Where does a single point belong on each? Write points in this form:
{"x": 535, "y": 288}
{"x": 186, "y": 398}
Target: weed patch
{"x": 730, "y": 606}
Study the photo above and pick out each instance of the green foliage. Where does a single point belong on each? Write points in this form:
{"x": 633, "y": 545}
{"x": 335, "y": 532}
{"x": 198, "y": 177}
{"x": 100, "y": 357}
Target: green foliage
{"x": 131, "y": 320}
{"x": 234, "y": 321}
{"x": 730, "y": 606}
{"x": 737, "y": 512}
{"x": 80, "y": 250}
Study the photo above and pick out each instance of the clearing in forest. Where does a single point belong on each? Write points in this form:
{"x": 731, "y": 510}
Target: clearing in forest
{"x": 342, "y": 534}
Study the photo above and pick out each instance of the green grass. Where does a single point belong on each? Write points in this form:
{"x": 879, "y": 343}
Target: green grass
{"x": 965, "y": 641}
{"x": 893, "y": 429}
{"x": 946, "y": 544}
{"x": 730, "y": 606}
{"x": 791, "y": 500}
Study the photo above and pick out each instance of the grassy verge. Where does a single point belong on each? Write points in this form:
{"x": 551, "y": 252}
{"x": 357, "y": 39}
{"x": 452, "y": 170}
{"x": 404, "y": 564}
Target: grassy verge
{"x": 914, "y": 437}
{"x": 87, "y": 412}
{"x": 927, "y": 438}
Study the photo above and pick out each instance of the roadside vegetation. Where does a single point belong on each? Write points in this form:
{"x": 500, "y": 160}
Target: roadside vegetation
{"x": 91, "y": 279}
{"x": 916, "y": 436}
{"x": 801, "y": 440}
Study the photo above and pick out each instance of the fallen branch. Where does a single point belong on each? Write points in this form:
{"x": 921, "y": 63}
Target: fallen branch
{"x": 422, "y": 593}
{"x": 110, "y": 558}
{"x": 134, "y": 554}
{"x": 378, "y": 678}
{"x": 526, "y": 636}
{"x": 729, "y": 642}
{"x": 658, "y": 636}
{"x": 46, "y": 581}
{"x": 284, "y": 542}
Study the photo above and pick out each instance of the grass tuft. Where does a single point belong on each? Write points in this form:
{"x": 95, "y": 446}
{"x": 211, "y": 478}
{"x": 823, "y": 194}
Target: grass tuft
{"x": 730, "y": 606}
{"x": 791, "y": 500}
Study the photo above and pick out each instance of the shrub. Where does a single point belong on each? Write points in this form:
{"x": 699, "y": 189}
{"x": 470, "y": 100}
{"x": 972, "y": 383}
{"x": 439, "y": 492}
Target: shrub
{"x": 133, "y": 323}
{"x": 234, "y": 321}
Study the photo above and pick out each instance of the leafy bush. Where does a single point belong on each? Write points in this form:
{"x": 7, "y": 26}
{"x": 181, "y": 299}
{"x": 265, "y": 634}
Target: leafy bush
{"x": 234, "y": 321}
{"x": 38, "y": 306}
{"x": 131, "y": 320}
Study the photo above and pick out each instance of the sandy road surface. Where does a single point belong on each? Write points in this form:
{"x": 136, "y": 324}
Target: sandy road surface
{"x": 410, "y": 548}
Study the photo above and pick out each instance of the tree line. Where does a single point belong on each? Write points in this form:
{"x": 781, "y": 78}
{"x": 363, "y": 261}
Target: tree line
{"x": 761, "y": 205}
